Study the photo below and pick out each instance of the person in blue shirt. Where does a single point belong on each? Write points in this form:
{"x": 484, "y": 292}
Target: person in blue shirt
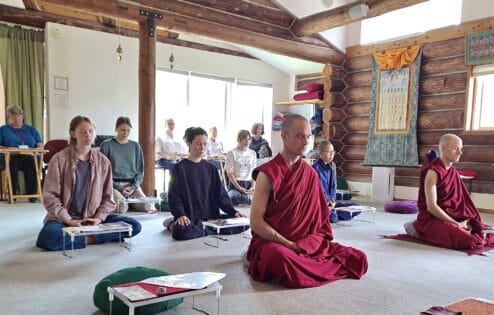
{"x": 16, "y": 134}
{"x": 326, "y": 169}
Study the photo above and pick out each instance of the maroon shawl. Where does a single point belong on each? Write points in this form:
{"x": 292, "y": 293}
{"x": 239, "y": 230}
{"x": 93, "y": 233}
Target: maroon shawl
{"x": 454, "y": 199}
{"x": 298, "y": 211}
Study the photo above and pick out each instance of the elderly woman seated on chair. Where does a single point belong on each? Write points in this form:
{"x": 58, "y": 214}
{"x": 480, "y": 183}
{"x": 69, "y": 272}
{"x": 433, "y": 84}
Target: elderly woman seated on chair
{"x": 16, "y": 134}
{"x": 196, "y": 192}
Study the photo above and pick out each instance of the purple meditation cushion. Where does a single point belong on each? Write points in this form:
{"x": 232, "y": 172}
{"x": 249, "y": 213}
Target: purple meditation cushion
{"x": 406, "y": 207}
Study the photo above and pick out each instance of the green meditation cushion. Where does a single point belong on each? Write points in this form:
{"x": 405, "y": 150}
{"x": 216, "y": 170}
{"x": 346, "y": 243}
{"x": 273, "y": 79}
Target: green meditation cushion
{"x": 134, "y": 274}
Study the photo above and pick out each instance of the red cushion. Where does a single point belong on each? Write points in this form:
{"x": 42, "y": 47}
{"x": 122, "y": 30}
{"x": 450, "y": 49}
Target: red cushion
{"x": 312, "y": 87}
{"x": 467, "y": 173}
{"x": 309, "y": 96}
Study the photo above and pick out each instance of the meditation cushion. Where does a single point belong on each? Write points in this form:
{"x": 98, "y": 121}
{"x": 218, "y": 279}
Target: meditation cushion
{"x": 134, "y": 274}
{"x": 313, "y": 87}
{"x": 405, "y": 207}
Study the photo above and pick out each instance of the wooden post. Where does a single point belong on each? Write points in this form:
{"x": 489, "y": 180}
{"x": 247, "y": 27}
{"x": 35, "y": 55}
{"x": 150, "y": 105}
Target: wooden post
{"x": 147, "y": 78}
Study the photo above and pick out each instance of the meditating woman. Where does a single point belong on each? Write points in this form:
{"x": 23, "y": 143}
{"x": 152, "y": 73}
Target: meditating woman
{"x": 258, "y": 144}
{"x": 78, "y": 191}
{"x": 214, "y": 150}
{"x": 240, "y": 162}
{"x": 127, "y": 164}
{"x": 16, "y": 134}
{"x": 196, "y": 192}
{"x": 168, "y": 149}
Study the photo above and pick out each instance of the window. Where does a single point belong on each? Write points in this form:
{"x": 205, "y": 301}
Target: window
{"x": 480, "y": 108}
{"x": 411, "y": 20}
{"x": 193, "y": 99}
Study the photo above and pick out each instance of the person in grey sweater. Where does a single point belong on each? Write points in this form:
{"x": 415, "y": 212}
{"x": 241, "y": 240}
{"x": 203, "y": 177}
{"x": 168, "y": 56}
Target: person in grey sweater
{"x": 127, "y": 162}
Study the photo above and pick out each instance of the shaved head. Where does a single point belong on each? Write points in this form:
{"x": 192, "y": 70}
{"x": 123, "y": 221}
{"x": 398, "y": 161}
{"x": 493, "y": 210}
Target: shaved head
{"x": 448, "y": 139}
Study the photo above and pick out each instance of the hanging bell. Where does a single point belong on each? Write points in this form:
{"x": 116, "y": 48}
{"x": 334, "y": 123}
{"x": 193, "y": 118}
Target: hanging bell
{"x": 171, "y": 60}
{"x": 119, "y": 52}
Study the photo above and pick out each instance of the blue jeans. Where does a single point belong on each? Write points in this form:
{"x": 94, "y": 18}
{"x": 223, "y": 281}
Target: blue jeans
{"x": 51, "y": 236}
{"x": 236, "y": 196}
{"x": 168, "y": 164}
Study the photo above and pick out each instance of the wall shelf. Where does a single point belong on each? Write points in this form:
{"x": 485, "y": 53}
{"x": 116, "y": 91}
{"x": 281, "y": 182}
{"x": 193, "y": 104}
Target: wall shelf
{"x": 304, "y": 102}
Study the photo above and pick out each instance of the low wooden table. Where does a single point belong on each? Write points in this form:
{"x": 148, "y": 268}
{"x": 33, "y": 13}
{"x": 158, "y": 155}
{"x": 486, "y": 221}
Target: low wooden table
{"x": 75, "y": 231}
{"x": 35, "y": 153}
{"x": 215, "y": 287}
{"x": 215, "y": 224}
{"x": 352, "y": 209}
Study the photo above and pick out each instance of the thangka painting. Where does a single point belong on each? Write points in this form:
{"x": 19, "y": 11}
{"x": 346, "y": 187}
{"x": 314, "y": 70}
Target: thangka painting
{"x": 480, "y": 48}
{"x": 392, "y": 140}
{"x": 393, "y": 103}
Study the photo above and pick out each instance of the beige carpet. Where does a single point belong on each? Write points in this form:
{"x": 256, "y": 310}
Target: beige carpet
{"x": 403, "y": 278}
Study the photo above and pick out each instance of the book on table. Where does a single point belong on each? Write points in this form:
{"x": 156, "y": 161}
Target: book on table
{"x": 113, "y": 226}
{"x": 356, "y": 208}
{"x": 167, "y": 285}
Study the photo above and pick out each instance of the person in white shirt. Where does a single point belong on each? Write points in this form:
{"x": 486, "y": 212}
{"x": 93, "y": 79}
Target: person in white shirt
{"x": 240, "y": 162}
{"x": 214, "y": 150}
{"x": 169, "y": 149}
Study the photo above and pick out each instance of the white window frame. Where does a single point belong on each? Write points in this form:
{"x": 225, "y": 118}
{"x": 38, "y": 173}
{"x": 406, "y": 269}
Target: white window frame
{"x": 473, "y": 110}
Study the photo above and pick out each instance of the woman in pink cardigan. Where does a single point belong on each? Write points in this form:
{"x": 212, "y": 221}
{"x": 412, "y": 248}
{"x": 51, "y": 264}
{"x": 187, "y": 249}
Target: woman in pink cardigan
{"x": 78, "y": 191}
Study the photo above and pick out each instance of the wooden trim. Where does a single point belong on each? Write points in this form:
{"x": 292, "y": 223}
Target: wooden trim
{"x": 314, "y": 101}
{"x": 432, "y": 36}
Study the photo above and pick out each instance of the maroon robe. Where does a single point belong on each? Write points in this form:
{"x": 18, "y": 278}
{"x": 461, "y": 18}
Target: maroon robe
{"x": 454, "y": 199}
{"x": 298, "y": 211}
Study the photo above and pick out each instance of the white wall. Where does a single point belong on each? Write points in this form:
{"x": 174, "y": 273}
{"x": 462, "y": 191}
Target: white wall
{"x": 476, "y": 9}
{"x": 103, "y": 88}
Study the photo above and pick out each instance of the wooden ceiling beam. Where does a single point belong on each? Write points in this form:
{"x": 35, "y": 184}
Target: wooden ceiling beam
{"x": 31, "y": 4}
{"x": 339, "y": 16}
{"x": 248, "y": 10}
{"x": 234, "y": 20}
{"x": 181, "y": 23}
{"x": 39, "y": 19}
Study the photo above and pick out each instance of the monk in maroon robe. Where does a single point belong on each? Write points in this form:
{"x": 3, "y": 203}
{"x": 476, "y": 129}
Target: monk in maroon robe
{"x": 447, "y": 216}
{"x": 292, "y": 237}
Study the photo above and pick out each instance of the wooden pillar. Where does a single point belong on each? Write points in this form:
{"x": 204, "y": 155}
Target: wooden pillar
{"x": 147, "y": 78}
{"x": 328, "y": 133}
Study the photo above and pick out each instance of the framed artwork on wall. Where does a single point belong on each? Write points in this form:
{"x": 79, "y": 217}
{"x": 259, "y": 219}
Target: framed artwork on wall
{"x": 61, "y": 83}
{"x": 479, "y": 48}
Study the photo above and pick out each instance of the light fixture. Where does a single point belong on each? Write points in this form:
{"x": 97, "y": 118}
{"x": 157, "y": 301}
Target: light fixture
{"x": 172, "y": 58}
{"x": 119, "y": 48}
{"x": 358, "y": 11}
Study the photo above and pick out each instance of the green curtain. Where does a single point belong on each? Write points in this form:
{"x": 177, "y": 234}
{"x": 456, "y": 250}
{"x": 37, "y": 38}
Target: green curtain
{"x": 22, "y": 63}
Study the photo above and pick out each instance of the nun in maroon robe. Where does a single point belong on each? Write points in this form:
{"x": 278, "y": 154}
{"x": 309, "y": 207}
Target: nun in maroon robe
{"x": 298, "y": 211}
{"x": 454, "y": 198}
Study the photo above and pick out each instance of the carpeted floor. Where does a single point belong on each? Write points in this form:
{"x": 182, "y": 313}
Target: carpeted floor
{"x": 403, "y": 278}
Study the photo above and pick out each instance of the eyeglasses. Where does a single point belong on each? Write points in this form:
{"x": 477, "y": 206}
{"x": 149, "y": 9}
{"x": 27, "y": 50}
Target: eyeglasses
{"x": 330, "y": 152}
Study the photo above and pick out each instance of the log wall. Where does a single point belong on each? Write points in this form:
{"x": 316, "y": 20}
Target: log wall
{"x": 441, "y": 109}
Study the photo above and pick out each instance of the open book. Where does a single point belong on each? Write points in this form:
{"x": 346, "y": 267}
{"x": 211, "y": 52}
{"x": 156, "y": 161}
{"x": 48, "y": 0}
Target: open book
{"x": 114, "y": 226}
{"x": 167, "y": 285}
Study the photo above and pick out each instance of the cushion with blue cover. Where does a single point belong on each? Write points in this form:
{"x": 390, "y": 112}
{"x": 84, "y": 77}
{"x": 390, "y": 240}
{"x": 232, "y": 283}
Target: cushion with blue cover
{"x": 405, "y": 207}
{"x": 127, "y": 275}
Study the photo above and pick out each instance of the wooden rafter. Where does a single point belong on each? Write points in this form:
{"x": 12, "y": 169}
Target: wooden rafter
{"x": 339, "y": 16}
{"x": 129, "y": 10}
{"x": 39, "y": 19}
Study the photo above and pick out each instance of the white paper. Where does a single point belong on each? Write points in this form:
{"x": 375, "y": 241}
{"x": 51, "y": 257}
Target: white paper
{"x": 194, "y": 280}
